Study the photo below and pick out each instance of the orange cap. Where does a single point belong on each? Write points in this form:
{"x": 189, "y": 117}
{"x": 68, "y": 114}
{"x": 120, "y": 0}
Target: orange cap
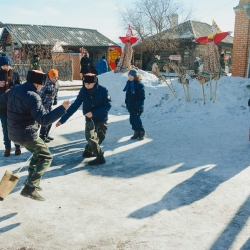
{"x": 53, "y": 73}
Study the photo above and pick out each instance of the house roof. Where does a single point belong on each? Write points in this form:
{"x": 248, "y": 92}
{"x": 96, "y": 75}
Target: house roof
{"x": 49, "y": 35}
{"x": 194, "y": 29}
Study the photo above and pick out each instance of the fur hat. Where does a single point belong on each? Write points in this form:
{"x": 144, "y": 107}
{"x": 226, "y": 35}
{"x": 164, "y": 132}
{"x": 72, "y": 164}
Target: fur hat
{"x": 5, "y": 60}
{"x": 36, "y": 76}
{"x": 89, "y": 78}
{"x": 53, "y": 73}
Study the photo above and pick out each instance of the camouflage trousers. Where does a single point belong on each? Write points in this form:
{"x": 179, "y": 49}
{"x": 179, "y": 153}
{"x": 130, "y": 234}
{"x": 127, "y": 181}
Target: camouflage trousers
{"x": 40, "y": 161}
{"x": 95, "y": 133}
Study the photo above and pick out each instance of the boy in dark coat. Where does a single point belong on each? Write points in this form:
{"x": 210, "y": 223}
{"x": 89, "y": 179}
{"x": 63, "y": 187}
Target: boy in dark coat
{"x": 8, "y": 79}
{"x": 96, "y": 103}
{"x": 25, "y": 112}
{"x": 48, "y": 95}
{"x": 135, "y": 96}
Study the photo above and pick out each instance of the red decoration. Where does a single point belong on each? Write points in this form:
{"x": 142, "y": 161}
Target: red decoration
{"x": 129, "y": 38}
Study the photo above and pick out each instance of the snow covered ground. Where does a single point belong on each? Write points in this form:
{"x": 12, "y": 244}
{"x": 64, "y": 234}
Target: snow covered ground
{"x": 187, "y": 186}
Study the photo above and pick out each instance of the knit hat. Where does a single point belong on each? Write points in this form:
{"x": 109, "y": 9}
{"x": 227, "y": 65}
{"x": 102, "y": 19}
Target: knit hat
{"x": 36, "y": 55}
{"x": 89, "y": 78}
{"x": 36, "y": 76}
{"x": 5, "y": 60}
{"x": 53, "y": 73}
{"x": 133, "y": 72}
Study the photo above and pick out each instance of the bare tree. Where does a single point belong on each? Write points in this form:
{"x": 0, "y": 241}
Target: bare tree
{"x": 153, "y": 22}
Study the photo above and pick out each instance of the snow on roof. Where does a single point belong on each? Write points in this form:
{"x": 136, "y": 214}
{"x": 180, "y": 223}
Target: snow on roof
{"x": 47, "y": 35}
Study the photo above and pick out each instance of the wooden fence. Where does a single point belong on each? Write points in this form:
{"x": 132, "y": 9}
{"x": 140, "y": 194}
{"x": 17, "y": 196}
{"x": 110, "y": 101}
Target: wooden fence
{"x": 64, "y": 67}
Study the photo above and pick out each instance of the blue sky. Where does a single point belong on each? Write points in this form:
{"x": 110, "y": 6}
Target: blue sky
{"x": 102, "y": 14}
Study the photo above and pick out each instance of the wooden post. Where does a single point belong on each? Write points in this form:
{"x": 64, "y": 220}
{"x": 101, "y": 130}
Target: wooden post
{"x": 211, "y": 97}
{"x": 216, "y": 85}
{"x": 203, "y": 94}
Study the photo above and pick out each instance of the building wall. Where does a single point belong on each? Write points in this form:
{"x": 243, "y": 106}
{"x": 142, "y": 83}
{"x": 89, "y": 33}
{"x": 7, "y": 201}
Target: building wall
{"x": 241, "y": 41}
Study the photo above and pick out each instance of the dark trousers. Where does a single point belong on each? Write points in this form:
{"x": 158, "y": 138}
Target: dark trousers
{"x": 44, "y": 132}
{"x": 135, "y": 121}
{"x": 6, "y": 140}
{"x": 40, "y": 161}
{"x": 95, "y": 133}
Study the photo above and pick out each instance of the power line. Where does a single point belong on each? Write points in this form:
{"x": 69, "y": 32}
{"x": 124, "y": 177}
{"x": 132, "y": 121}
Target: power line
{"x": 216, "y": 10}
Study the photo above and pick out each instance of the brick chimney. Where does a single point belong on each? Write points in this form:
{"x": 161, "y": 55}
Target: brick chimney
{"x": 174, "y": 20}
{"x": 241, "y": 46}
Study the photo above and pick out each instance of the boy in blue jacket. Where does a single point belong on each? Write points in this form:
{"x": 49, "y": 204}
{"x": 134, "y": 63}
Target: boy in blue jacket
{"x": 135, "y": 96}
{"x": 96, "y": 103}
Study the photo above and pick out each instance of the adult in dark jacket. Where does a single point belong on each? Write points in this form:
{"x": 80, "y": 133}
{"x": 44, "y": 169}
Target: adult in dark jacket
{"x": 85, "y": 64}
{"x": 197, "y": 65}
{"x": 117, "y": 60}
{"x": 102, "y": 66}
{"x": 96, "y": 103}
{"x": 8, "y": 79}
{"x": 135, "y": 96}
{"x": 25, "y": 112}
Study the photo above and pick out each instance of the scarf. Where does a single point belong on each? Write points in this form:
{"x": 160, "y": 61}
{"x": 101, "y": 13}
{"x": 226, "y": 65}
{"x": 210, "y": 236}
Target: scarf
{"x": 132, "y": 87}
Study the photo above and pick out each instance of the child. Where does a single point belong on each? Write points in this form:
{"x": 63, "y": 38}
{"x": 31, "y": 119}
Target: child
{"x": 135, "y": 96}
{"x": 96, "y": 103}
{"x": 48, "y": 95}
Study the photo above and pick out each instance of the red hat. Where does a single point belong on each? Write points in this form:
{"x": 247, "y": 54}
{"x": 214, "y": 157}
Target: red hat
{"x": 53, "y": 73}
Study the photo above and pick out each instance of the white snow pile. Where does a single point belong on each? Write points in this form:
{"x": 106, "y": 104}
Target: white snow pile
{"x": 231, "y": 100}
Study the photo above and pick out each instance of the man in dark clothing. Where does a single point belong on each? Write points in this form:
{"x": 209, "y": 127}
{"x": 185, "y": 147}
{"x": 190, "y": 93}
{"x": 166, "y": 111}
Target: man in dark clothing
{"x": 197, "y": 65}
{"x": 117, "y": 60}
{"x": 25, "y": 112}
{"x": 35, "y": 63}
{"x": 85, "y": 64}
{"x": 96, "y": 104}
{"x": 8, "y": 79}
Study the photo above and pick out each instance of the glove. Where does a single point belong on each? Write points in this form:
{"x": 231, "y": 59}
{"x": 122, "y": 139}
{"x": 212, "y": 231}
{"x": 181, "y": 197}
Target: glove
{"x": 55, "y": 102}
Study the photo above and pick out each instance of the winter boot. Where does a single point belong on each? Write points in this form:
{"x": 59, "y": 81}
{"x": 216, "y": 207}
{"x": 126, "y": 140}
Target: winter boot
{"x": 136, "y": 135}
{"x": 87, "y": 154}
{"x": 142, "y": 135}
{"x": 7, "y": 152}
{"x": 46, "y": 140}
{"x": 39, "y": 188}
{"x": 50, "y": 138}
{"x": 31, "y": 192}
{"x": 98, "y": 160}
{"x": 18, "y": 151}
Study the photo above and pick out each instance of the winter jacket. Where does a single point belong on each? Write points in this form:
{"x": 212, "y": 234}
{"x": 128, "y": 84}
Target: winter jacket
{"x": 49, "y": 94}
{"x": 13, "y": 79}
{"x": 35, "y": 65}
{"x": 135, "y": 96}
{"x": 85, "y": 65}
{"x": 102, "y": 66}
{"x": 25, "y": 112}
{"x": 97, "y": 101}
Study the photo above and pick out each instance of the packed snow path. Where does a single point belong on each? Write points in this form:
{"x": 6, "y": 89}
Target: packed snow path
{"x": 187, "y": 186}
